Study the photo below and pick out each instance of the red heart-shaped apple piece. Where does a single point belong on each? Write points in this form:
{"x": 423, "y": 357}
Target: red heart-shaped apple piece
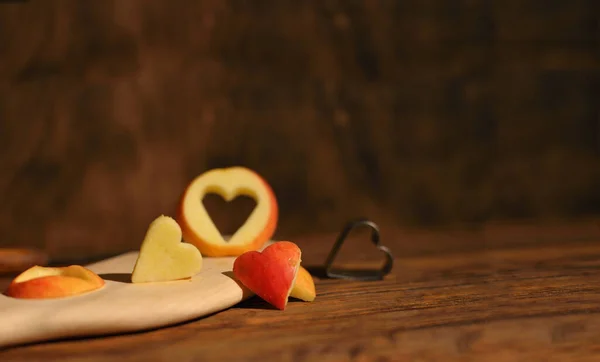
{"x": 270, "y": 274}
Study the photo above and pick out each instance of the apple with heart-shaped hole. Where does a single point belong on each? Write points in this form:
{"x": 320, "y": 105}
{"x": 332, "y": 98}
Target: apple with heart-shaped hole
{"x": 273, "y": 273}
{"x": 163, "y": 257}
{"x": 199, "y": 229}
{"x": 40, "y": 282}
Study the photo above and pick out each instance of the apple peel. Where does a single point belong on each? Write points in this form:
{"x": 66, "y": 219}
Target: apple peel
{"x": 270, "y": 274}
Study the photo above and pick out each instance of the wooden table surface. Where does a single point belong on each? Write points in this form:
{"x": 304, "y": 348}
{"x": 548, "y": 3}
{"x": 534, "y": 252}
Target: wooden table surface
{"x": 500, "y": 293}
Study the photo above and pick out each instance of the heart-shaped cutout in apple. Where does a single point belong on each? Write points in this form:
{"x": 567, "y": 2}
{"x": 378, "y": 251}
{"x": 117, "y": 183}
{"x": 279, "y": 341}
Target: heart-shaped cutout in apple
{"x": 270, "y": 274}
{"x": 198, "y": 227}
{"x": 163, "y": 257}
{"x": 228, "y": 216}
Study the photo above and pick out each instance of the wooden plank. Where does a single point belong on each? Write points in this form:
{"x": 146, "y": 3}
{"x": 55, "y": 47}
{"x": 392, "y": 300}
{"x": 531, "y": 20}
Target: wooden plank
{"x": 532, "y": 303}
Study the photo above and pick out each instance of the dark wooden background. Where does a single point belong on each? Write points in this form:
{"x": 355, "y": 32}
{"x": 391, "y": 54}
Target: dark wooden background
{"x": 413, "y": 113}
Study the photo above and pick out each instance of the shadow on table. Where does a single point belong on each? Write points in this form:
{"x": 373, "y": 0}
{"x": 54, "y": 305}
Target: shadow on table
{"x": 117, "y": 277}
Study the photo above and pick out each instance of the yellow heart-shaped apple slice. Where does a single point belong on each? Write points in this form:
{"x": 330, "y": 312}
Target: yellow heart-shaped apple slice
{"x": 304, "y": 286}
{"x": 198, "y": 227}
{"x": 163, "y": 257}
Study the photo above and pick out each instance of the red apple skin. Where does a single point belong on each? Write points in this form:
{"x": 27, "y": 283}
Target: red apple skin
{"x": 270, "y": 274}
{"x": 54, "y": 286}
{"x": 54, "y": 282}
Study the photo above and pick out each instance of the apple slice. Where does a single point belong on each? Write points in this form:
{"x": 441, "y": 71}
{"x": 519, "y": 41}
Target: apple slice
{"x": 199, "y": 229}
{"x": 40, "y": 282}
{"x": 304, "y": 287}
{"x": 163, "y": 257}
{"x": 270, "y": 274}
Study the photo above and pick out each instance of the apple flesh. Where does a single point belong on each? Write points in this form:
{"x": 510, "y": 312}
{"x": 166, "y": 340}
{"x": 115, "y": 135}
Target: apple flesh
{"x": 304, "y": 287}
{"x": 270, "y": 274}
{"x": 40, "y": 282}
{"x": 163, "y": 257}
{"x": 199, "y": 229}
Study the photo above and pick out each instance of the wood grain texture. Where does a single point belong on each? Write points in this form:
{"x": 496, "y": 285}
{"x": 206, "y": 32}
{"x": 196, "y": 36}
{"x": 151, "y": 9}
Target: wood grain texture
{"x": 407, "y": 112}
{"x": 513, "y": 299}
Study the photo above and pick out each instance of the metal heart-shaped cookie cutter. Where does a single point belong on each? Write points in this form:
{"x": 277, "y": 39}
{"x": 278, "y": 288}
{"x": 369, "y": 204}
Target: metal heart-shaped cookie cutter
{"x": 359, "y": 274}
